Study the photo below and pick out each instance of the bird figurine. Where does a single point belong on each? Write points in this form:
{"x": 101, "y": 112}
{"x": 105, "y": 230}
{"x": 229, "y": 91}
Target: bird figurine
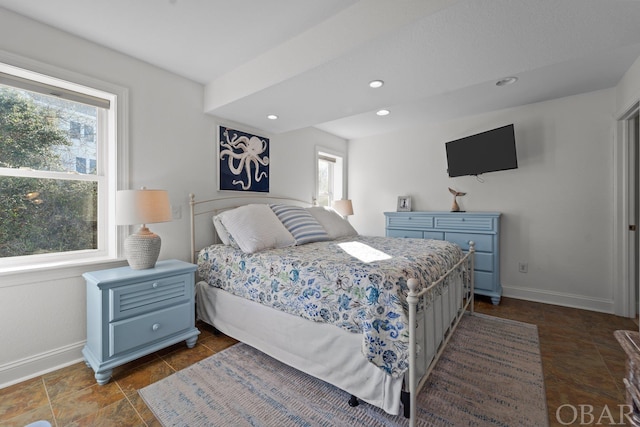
{"x": 455, "y": 207}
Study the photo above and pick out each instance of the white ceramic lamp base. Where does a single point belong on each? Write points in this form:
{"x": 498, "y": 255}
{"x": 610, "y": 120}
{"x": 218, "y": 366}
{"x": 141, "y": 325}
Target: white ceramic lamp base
{"x": 142, "y": 249}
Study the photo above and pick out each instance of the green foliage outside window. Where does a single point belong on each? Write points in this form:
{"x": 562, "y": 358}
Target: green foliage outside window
{"x": 40, "y": 214}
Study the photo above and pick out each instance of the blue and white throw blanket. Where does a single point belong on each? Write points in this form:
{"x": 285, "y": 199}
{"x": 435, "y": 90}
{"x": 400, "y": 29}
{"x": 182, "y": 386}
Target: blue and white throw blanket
{"x": 357, "y": 283}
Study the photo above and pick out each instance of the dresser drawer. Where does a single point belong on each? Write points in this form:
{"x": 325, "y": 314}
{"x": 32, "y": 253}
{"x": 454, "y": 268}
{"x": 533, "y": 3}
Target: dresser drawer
{"x": 410, "y": 221}
{"x": 483, "y": 280}
{"x": 464, "y": 223}
{"x": 405, "y": 233}
{"x": 483, "y": 261}
{"x": 139, "y": 331}
{"x": 132, "y": 300}
{"x": 484, "y": 242}
{"x": 436, "y": 235}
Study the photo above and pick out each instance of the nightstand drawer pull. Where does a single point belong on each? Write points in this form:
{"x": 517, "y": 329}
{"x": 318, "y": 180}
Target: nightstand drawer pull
{"x": 155, "y": 326}
{"x": 155, "y": 285}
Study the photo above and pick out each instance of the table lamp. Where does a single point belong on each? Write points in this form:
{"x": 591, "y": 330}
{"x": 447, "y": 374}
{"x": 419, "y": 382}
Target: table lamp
{"x": 344, "y": 207}
{"x": 142, "y": 207}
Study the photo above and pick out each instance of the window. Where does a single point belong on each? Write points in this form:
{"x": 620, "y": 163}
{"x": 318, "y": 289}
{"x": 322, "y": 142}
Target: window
{"x": 88, "y": 133}
{"x": 329, "y": 177}
{"x": 74, "y": 130}
{"x": 81, "y": 165}
{"x": 58, "y": 169}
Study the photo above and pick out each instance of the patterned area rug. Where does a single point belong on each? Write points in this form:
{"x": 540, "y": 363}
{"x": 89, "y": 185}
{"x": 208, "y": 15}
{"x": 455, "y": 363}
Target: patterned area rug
{"x": 490, "y": 374}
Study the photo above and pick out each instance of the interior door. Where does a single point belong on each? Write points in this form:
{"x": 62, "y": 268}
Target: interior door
{"x": 634, "y": 205}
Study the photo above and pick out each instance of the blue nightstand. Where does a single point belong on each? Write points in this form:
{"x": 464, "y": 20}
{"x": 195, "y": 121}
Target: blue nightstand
{"x": 132, "y": 313}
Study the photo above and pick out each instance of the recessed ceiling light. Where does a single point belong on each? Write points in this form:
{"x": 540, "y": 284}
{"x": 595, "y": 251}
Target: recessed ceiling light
{"x": 382, "y": 112}
{"x": 272, "y": 117}
{"x": 506, "y": 81}
{"x": 376, "y": 83}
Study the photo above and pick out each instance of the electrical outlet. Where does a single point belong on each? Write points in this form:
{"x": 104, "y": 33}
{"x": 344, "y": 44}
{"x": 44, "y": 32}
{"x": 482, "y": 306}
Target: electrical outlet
{"x": 176, "y": 212}
{"x": 523, "y": 267}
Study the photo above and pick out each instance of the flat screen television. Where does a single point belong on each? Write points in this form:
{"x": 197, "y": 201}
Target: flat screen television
{"x": 490, "y": 151}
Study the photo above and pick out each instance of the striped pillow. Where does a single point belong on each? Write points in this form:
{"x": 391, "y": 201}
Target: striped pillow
{"x": 300, "y": 223}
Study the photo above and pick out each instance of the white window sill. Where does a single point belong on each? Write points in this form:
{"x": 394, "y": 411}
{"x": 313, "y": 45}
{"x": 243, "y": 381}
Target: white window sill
{"x": 27, "y": 275}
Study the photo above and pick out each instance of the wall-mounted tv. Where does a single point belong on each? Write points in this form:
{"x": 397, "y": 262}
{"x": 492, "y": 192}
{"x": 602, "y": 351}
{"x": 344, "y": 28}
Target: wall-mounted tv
{"x": 490, "y": 151}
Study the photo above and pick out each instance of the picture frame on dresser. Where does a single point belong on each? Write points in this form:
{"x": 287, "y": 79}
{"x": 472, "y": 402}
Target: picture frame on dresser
{"x": 404, "y": 204}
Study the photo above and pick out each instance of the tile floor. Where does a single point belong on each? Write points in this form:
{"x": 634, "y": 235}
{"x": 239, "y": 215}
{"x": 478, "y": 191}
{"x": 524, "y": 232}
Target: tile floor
{"x": 582, "y": 362}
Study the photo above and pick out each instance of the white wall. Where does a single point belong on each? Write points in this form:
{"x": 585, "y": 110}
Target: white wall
{"x": 172, "y": 146}
{"x": 628, "y": 89}
{"x": 557, "y": 206}
{"x": 294, "y": 160}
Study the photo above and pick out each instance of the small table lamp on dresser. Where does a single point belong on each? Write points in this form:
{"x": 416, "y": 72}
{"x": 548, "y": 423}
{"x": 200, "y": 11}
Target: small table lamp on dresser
{"x": 142, "y": 207}
{"x": 344, "y": 207}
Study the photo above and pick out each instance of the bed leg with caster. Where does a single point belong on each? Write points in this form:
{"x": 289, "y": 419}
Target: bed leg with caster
{"x": 353, "y": 401}
{"x": 405, "y": 398}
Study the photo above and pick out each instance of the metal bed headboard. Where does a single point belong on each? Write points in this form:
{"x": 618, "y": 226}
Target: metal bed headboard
{"x": 219, "y": 204}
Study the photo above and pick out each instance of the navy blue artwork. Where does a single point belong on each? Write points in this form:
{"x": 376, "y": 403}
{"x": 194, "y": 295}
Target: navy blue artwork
{"x": 243, "y": 161}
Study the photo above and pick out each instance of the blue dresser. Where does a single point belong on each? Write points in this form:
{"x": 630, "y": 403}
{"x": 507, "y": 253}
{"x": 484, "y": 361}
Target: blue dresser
{"x": 483, "y": 228}
{"x": 131, "y": 313}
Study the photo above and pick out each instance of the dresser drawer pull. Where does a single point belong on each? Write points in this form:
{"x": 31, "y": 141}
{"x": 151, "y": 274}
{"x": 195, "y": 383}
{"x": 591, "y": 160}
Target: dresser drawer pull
{"x": 155, "y": 285}
{"x": 155, "y": 326}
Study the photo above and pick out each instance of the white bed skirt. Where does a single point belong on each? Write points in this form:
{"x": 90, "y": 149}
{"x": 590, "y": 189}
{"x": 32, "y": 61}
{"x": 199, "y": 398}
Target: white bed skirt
{"x": 311, "y": 347}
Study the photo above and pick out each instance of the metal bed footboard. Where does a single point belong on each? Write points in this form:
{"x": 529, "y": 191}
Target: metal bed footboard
{"x": 437, "y": 323}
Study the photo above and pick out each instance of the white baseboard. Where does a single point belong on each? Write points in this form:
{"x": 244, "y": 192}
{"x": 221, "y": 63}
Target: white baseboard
{"x": 39, "y": 364}
{"x": 559, "y": 298}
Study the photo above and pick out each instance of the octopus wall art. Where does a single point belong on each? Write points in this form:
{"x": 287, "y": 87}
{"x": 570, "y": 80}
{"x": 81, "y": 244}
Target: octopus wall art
{"x": 243, "y": 161}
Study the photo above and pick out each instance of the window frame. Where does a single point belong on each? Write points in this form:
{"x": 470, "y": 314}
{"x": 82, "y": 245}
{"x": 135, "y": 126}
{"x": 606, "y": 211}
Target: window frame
{"x": 112, "y": 166}
{"x": 339, "y": 172}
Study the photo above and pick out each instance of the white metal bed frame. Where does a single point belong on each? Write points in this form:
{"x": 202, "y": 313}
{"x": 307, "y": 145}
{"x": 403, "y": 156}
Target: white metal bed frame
{"x": 440, "y": 319}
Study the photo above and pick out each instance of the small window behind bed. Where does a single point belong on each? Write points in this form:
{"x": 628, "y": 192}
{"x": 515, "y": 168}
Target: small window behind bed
{"x": 329, "y": 177}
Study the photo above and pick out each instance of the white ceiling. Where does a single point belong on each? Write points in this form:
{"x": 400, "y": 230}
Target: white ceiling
{"x": 310, "y": 61}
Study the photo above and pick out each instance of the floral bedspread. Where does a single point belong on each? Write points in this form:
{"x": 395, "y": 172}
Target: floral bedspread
{"x": 327, "y": 282}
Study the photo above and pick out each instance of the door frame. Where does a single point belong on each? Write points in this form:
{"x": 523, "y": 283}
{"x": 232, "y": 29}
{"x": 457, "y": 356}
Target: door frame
{"x": 625, "y": 262}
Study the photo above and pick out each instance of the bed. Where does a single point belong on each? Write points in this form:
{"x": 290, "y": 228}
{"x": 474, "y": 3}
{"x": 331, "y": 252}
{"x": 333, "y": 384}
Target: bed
{"x": 301, "y": 285}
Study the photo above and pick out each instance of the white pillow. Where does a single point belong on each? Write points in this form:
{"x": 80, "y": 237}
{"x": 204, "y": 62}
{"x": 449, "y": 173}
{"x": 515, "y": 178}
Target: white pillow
{"x": 255, "y": 227}
{"x": 335, "y": 225}
{"x": 222, "y": 232}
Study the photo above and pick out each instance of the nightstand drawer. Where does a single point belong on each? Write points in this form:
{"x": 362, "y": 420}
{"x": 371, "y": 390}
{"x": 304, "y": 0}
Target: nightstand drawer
{"x": 131, "y": 300}
{"x": 139, "y": 331}
{"x": 464, "y": 223}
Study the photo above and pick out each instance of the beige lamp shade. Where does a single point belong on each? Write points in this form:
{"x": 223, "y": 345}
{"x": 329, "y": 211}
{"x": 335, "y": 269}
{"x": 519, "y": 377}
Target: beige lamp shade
{"x": 344, "y": 207}
{"x": 142, "y": 207}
